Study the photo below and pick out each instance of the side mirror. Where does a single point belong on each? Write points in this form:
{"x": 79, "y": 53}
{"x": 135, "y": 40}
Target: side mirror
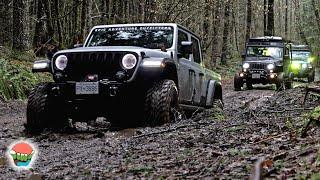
{"x": 186, "y": 47}
{"x": 77, "y": 45}
{"x": 243, "y": 55}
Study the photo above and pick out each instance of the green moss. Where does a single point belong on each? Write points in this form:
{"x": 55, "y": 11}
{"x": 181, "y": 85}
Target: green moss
{"x": 315, "y": 114}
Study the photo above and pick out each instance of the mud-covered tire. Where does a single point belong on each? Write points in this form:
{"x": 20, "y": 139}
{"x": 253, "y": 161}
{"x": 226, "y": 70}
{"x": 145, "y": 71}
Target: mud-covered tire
{"x": 311, "y": 77}
{"x": 41, "y": 112}
{"x": 288, "y": 84}
{"x": 161, "y": 102}
{"x": 249, "y": 85}
{"x": 237, "y": 83}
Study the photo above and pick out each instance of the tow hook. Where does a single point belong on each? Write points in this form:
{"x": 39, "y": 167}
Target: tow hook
{"x": 56, "y": 91}
{"x": 113, "y": 91}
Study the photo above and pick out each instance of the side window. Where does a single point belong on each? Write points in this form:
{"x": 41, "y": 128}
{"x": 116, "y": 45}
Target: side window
{"x": 182, "y": 37}
{"x": 196, "y": 50}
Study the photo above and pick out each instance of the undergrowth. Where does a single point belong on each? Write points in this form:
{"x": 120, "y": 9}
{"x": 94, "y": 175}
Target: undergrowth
{"x": 16, "y": 78}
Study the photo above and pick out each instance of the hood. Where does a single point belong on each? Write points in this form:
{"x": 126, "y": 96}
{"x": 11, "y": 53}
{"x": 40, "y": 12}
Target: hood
{"x": 263, "y": 60}
{"x": 138, "y": 50}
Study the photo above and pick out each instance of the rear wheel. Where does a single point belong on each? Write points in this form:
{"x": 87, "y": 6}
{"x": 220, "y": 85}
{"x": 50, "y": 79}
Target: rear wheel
{"x": 44, "y": 111}
{"x": 238, "y": 83}
{"x": 161, "y": 103}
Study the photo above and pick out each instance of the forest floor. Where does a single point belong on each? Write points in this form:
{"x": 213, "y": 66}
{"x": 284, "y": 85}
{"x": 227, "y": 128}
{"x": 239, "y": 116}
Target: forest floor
{"x": 259, "y": 125}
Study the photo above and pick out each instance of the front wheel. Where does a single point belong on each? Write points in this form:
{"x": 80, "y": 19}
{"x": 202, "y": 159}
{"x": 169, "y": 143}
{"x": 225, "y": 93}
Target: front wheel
{"x": 238, "y": 83}
{"x": 43, "y": 111}
{"x": 311, "y": 77}
{"x": 161, "y": 103}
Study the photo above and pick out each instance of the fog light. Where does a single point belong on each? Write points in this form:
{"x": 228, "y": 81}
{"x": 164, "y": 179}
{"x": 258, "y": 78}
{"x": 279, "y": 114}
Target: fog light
{"x": 245, "y": 70}
{"x": 241, "y": 75}
{"x": 272, "y": 76}
{"x": 271, "y": 71}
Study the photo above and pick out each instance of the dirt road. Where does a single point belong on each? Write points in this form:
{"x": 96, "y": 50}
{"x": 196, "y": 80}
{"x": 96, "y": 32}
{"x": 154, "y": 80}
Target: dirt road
{"x": 257, "y": 123}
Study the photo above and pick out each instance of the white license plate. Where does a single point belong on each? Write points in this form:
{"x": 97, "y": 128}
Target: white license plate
{"x": 255, "y": 76}
{"x": 87, "y": 88}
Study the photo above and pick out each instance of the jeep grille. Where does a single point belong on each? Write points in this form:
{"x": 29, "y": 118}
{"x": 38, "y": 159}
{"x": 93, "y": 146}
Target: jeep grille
{"x": 257, "y": 66}
{"x": 103, "y": 64}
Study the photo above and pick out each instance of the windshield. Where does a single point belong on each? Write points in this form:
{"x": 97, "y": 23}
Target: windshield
{"x": 300, "y": 55}
{"x": 153, "y": 37}
{"x": 274, "y": 52}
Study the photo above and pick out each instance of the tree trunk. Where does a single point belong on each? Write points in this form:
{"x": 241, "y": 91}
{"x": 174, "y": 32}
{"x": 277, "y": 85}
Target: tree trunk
{"x": 215, "y": 34}
{"x": 20, "y": 30}
{"x": 286, "y": 20}
{"x": 270, "y": 24}
{"x": 249, "y": 19}
{"x": 265, "y": 20}
{"x": 5, "y": 23}
{"x": 226, "y": 33}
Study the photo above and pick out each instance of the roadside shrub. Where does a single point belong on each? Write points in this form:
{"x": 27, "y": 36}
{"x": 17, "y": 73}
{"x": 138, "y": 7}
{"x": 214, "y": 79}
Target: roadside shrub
{"x": 16, "y": 80}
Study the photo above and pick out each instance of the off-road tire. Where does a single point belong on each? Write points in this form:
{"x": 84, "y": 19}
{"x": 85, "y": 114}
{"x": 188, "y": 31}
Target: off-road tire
{"x": 160, "y": 103}
{"x": 288, "y": 84}
{"x": 41, "y": 112}
{"x": 237, "y": 83}
{"x": 311, "y": 77}
{"x": 249, "y": 85}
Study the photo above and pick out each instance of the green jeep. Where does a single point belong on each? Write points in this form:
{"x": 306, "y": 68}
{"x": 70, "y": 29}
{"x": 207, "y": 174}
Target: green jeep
{"x": 303, "y": 64}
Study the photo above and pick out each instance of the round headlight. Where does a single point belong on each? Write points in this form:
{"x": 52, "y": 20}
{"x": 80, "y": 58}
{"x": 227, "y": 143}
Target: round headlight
{"x": 61, "y": 62}
{"x": 246, "y": 65}
{"x": 270, "y": 66}
{"x": 129, "y": 61}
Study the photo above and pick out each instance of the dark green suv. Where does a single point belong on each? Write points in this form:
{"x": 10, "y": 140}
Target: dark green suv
{"x": 303, "y": 64}
{"x": 266, "y": 61}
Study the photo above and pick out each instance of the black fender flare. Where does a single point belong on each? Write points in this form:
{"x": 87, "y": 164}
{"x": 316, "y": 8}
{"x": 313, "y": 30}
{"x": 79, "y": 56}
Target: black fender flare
{"x": 214, "y": 91}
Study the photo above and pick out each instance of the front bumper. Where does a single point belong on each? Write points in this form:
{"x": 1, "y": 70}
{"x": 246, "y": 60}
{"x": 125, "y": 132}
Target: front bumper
{"x": 303, "y": 73}
{"x": 257, "y": 77}
{"x": 105, "y": 89}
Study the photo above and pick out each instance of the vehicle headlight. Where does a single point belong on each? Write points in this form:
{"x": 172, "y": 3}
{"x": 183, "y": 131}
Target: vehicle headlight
{"x": 270, "y": 66}
{"x": 246, "y": 66}
{"x": 304, "y": 66}
{"x": 129, "y": 61}
{"x": 61, "y": 62}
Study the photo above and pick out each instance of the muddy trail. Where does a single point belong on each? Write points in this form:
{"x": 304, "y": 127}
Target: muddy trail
{"x": 257, "y": 124}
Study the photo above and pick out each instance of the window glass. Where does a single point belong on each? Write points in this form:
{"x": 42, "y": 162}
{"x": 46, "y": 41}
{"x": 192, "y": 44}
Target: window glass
{"x": 182, "y": 37}
{"x": 196, "y": 50}
{"x": 274, "y": 52}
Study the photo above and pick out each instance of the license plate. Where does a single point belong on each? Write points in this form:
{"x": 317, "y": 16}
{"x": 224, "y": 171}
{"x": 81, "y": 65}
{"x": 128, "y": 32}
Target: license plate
{"x": 87, "y": 88}
{"x": 255, "y": 76}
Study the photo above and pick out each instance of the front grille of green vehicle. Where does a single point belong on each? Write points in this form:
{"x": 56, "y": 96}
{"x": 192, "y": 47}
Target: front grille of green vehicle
{"x": 103, "y": 64}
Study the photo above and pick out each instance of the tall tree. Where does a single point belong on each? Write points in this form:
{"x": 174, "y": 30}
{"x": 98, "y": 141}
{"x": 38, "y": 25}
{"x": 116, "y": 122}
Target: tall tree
{"x": 249, "y": 19}
{"x": 5, "y": 22}
{"x": 270, "y": 22}
{"x": 215, "y": 33}
{"x": 20, "y": 30}
{"x": 226, "y": 32}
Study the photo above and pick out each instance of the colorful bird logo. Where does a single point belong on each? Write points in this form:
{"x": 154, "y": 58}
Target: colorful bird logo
{"x": 22, "y": 153}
